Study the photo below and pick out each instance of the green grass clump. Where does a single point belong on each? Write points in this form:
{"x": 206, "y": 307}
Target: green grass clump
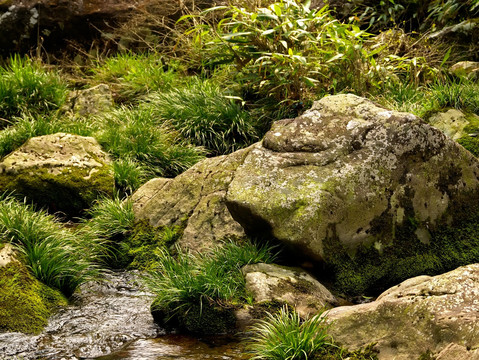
{"x": 135, "y": 134}
{"x": 25, "y": 128}
{"x": 206, "y": 116}
{"x": 56, "y": 256}
{"x": 209, "y": 283}
{"x": 25, "y": 86}
{"x": 285, "y": 336}
{"x": 134, "y": 75}
{"x": 129, "y": 175}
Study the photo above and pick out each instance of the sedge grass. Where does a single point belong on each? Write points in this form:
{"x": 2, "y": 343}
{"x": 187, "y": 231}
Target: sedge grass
{"x": 25, "y": 86}
{"x": 58, "y": 257}
{"x": 206, "y": 116}
{"x": 285, "y": 336}
{"x": 184, "y": 281}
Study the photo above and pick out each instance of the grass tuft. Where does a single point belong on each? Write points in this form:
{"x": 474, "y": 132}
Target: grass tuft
{"x": 206, "y": 116}
{"x": 58, "y": 257}
{"x": 285, "y": 336}
{"x": 25, "y": 86}
{"x": 185, "y": 281}
{"x": 134, "y": 134}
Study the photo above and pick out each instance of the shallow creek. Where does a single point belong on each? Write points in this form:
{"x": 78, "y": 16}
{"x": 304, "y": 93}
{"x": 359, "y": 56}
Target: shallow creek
{"x": 111, "y": 320}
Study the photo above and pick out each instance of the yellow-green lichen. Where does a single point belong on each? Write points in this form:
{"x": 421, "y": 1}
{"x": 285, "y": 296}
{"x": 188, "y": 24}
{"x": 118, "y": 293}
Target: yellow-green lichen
{"x": 25, "y": 303}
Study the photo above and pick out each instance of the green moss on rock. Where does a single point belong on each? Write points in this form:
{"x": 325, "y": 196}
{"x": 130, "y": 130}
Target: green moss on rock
{"x": 25, "y": 303}
{"x": 70, "y": 192}
{"x": 138, "y": 250}
{"x": 370, "y": 271}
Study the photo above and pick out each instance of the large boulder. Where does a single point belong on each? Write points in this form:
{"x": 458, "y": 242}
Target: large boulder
{"x": 359, "y": 187}
{"x": 61, "y": 172}
{"x": 437, "y": 314}
{"x": 193, "y": 200}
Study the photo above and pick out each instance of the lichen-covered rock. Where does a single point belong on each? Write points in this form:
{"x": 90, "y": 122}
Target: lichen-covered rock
{"x": 196, "y": 198}
{"x": 468, "y": 69}
{"x": 90, "y": 101}
{"x": 269, "y": 283}
{"x": 419, "y": 315}
{"x": 452, "y": 123}
{"x": 61, "y": 172}
{"x": 349, "y": 175}
{"x": 25, "y": 303}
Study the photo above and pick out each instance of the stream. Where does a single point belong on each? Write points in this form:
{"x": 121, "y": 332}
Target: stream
{"x": 111, "y": 320}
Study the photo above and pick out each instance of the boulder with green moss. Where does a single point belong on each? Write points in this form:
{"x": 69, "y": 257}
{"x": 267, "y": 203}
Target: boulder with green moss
{"x": 194, "y": 201}
{"x": 435, "y": 315}
{"x": 61, "y": 172}
{"x": 367, "y": 191}
{"x": 25, "y": 303}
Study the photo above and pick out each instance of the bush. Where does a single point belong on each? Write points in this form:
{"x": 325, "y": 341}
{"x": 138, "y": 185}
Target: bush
{"x": 285, "y": 336}
{"x": 25, "y": 86}
{"x": 58, "y": 257}
{"x": 190, "y": 282}
{"x": 287, "y": 50}
{"x": 205, "y": 115}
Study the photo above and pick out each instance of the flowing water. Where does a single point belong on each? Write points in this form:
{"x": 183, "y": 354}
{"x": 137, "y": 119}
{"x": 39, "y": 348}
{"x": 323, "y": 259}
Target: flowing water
{"x": 111, "y": 320}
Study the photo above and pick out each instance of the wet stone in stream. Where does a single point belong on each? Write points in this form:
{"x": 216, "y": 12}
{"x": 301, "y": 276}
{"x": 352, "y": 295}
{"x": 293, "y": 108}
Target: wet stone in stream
{"x": 103, "y": 318}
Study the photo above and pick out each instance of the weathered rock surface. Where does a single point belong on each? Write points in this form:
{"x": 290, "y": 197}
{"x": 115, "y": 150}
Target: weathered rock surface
{"x": 452, "y": 123}
{"x": 468, "y": 69}
{"x": 269, "y": 282}
{"x": 57, "y": 21}
{"x": 196, "y": 198}
{"x": 439, "y": 314}
{"x": 62, "y": 172}
{"x": 350, "y": 172}
{"x": 90, "y": 101}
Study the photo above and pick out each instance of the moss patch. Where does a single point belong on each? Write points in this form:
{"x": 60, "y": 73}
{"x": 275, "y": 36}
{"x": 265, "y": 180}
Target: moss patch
{"x": 69, "y": 192}
{"x": 25, "y": 303}
{"x": 371, "y": 272}
{"x": 138, "y": 250}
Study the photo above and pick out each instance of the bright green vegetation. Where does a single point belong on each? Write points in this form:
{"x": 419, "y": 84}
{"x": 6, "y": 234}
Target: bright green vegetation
{"x": 58, "y": 257}
{"x": 196, "y": 292}
{"x": 136, "y": 135}
{"x": 285, "y": 336}
{"x": 26, "y": 87}
{"x": 25, "y": 302}
{"x": 205, "y": 115}
{"x": 130, "y": 244}
{"x": 134, "y": 75}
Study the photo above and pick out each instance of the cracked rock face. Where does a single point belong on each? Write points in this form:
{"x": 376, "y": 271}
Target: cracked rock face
{"x": 194, "y": 199}
{"x": 351, "y": 172}
{"x": 61, "y": 172}
{"x": 439, "y": 314}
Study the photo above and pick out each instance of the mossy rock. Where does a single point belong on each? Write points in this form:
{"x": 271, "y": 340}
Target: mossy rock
{"x": 205, "y": 319}
{"x": 25, "y": 303}
{"x": 60, "y": 172}
{"x": 363, "y": 191}
{"x": 138, "y": 250}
